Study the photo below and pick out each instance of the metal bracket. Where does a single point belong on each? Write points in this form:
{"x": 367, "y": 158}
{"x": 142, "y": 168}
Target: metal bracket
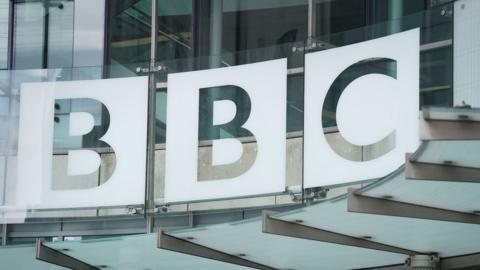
{"x": 294, "y": 229}
{"x": 172, "y": 243}
{"x": 378, "y": 206}
{"x": 148, "y": 70}
{"x": 439, "y": 172}
{"x": 50, "y": 255}
{"x": 463, "y": 262}
{"x": 423, "y": 262}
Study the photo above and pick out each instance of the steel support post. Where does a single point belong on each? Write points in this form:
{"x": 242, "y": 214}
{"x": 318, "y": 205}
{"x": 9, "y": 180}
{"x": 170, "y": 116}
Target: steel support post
{"x": 292, "y": 229}
{"x": 312, "y": 19}
{"x": 4, "y": 234}
{"x": 172, "y": 243}
{"x": 50, "y": 255}
{"x": 152, "y": 88}
{"x": 216, "y": 21}
{"x": 378, "y": 206}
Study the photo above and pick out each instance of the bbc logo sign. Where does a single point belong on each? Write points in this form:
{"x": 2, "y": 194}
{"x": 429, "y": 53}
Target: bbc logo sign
{"x": 378, "y": 105}
{"x": 124, "y": 109}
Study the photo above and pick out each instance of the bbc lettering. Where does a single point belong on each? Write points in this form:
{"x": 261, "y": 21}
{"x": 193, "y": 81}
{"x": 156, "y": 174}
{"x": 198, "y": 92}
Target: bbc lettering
{"x": 122, "y": 103}
{"x": 219, "y": 104}
{"x": 385, "y": 84}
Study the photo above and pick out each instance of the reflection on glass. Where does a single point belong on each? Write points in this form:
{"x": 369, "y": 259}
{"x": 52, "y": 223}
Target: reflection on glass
{"x": 43, "y": 34}
{"x": 29, "y": 35}
{"x": 89, "y": 33}
{"x": 4, "y": 26}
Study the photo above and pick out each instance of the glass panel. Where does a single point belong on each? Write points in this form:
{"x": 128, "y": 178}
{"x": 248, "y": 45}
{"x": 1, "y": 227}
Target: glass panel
{"x": 136, "y": 252}
{"x": 436, "y": 24}
{"x": 43, "y": 34}
{"x": 174, "y": 29}
{"x": 207, "y": 132}
{"x": 4, "y": 29}
{"x": 80, "y": 122}
{"x": 221, "y": 34}
{"x": 207, "y": 29}
{"x": 456, "y": 153}
{"x": 332, "y": 215}
{"x": 339, "y": 16}
{"x": 29, "y": 35}
{"x": 22, "y": 257}
{"x": 436, "y": 194}
{"x": 464, "y": 112}
{"x": 286, "y": 252}
{"x": 89, "y": 36}
{"x": 129, "y": 32}
{"x": 259, "y": 28}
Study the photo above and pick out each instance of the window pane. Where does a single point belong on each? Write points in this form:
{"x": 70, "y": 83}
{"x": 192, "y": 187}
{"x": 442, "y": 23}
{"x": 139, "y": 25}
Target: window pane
{"x": 4, "y": 26}
{"x": 36, "y": 47}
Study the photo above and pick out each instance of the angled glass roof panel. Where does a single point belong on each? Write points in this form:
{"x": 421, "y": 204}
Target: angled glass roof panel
{"x": 457, "y": 153}
{"x": 23, "y": 258}
{"x": 457, "y": 196}
{"x": 135, "y": 252}
{"x": 446, "y": 113}
{"x": 424, "y": 236}
{"x": 285, "y": 252}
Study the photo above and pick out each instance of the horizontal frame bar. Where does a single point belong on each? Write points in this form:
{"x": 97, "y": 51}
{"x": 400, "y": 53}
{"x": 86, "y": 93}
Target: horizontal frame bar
{"x": 52, "y": 256}
{"x": 172, "y": 243}
{"x": 378, "y": 206}
{"x": 292, "y": 229}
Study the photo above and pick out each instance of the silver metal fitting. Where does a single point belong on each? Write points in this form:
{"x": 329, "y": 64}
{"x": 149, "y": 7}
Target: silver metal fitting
{"x": 147, "y": 70}
{"x": 135, "y": 211}
{"x": 310, "y": 194}
{"x": 423, "y": 262}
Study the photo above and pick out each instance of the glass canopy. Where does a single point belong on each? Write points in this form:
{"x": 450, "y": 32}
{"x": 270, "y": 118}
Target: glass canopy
{"x": 381, "y": 224}
{"x": 134, "y": 252}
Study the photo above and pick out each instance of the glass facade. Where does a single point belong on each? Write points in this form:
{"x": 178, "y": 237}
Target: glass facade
{"x": 194, "y": 35}
{"x": 84, "y": 40}
{"x": 205, "y": 34}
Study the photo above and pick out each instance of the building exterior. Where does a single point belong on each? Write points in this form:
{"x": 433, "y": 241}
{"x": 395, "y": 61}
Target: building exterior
{"x": 266, "y": 134}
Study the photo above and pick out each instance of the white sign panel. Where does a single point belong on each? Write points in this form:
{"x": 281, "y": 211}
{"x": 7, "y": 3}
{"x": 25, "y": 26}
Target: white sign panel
{"x": 124, "y": 103}
{"x": 370, "y": 90}
{"x": 263, "y": 86}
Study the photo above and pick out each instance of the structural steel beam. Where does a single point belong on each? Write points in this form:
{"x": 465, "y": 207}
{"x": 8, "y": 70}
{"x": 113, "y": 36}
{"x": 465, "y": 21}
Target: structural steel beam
{"x": 391, "y": 267}
{"x": 449, "y": 130}
{"x": 439, "y": 172}
{"x": 4, "y": 234}
{"x": 50, "y": 255}
{"x": 471, "y": 261}
{"x": 378, "y": 206}
{"x": 172, "y": 243}
{"x": 292, "y": 229}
